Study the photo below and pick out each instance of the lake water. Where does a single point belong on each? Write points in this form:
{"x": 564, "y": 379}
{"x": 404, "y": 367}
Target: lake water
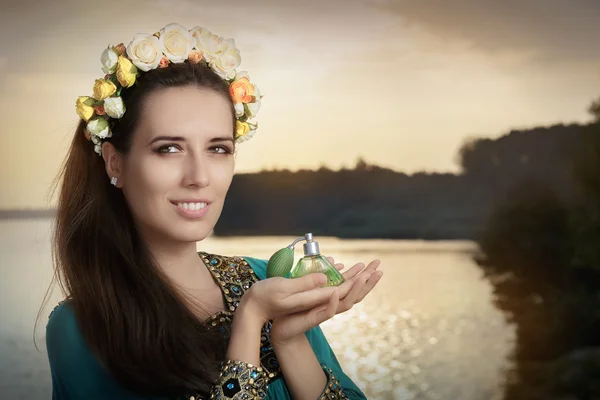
{"x": 428, "y": 331}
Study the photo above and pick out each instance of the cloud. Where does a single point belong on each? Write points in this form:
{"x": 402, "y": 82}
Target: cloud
{"x": 547, "y": 30}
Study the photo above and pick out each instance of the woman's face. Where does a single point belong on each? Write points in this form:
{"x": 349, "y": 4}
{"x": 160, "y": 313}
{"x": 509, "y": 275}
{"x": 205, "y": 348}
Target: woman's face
{"x": 181, "y": 164}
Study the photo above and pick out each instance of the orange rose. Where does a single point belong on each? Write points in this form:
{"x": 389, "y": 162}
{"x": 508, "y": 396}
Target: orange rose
{"x": 99, "y": 110}
{"x": 241, "y": 90}
{"x": 163, "y": 63}
{"x": 195, "y": 57}
{"x": 120, "y": 49}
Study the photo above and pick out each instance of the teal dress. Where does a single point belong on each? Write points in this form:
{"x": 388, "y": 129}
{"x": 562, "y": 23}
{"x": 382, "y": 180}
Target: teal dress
{"x": 76, "y": 374}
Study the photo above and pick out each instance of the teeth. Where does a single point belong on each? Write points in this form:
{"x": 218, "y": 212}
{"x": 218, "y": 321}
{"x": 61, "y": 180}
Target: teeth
{"x": 191, "y": 206}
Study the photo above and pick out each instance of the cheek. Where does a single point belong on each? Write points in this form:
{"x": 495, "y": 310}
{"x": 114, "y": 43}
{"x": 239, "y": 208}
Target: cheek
{"x": 148, "y": 183}
{"x": 222, "y": 176}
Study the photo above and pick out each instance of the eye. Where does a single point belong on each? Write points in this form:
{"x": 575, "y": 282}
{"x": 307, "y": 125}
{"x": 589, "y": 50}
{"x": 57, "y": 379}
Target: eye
{"x": 168, "y": 148}
{"x": 221, "y": 149}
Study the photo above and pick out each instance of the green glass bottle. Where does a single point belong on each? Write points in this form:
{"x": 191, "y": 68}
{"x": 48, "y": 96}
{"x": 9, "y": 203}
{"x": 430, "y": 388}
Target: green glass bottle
{"x": 313, "y": 262}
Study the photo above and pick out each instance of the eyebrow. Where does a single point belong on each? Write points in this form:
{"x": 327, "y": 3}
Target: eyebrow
{"x": 182, "y": 139}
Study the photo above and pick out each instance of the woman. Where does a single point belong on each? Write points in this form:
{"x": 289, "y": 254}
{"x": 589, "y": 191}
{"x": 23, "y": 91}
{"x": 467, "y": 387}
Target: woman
{"x": 147, "y": 316}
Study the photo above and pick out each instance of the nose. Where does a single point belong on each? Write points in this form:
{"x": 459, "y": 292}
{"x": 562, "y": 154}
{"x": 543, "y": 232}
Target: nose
{"x": 196, "y": 171}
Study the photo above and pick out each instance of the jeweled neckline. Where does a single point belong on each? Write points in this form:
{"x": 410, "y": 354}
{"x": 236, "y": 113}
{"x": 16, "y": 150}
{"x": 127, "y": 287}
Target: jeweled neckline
{"x": 233, "y": 275}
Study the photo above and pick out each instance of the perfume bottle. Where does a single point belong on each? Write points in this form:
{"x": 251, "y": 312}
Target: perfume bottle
{"x": 280, "y": 263}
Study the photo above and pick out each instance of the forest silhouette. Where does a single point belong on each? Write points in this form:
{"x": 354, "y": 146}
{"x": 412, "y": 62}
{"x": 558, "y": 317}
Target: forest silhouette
{"x": 369, "y": 201}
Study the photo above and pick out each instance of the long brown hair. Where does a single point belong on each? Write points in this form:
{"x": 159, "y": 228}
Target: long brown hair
{"x": 131, "y": 316}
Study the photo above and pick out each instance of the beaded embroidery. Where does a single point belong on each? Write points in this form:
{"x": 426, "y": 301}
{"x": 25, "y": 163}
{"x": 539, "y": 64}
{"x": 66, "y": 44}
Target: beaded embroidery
{"x": 235, "y": 276}
{"x": 240, "y": 381}
{"x": 333, "y": 390}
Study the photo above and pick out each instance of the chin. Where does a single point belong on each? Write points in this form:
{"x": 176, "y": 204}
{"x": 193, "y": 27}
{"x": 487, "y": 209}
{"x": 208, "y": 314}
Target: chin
{"x": 194, "y": 234}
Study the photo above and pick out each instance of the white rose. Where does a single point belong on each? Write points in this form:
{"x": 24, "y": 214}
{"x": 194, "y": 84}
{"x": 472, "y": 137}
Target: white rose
{"x": 256, "y": 93}
{"x": 114, "y": 107}
{"x": 239, "y": 109}
{"x": 242, "y": 74}
{"x": 176, "y": 42}
{"x": 201, "y": 37}
{"x": 253, "y": 108}
{"x": 98, "y": 149}
{"x": 208, "y": 43}
{"x": 99, "y": 127}
{"x": 145, "y": 51}
{"x": 227, "y": 61}
{"x": 109, "y": 60}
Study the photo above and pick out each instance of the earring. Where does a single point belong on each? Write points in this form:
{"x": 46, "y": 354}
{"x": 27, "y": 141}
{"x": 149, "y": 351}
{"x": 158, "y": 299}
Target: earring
{"x": 113, "y": 181}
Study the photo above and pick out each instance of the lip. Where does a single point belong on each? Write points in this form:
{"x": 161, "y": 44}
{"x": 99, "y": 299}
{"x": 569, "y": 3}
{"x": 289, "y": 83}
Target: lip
{"x": 190, "y": 201}
{"x": 191, "y": 214}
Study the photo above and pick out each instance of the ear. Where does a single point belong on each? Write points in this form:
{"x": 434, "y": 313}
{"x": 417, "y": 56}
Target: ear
{"x": 113, "y": 162}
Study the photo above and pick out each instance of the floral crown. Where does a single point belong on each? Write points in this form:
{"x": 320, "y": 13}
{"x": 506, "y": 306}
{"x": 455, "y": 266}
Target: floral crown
{"x": 172, "y": 44}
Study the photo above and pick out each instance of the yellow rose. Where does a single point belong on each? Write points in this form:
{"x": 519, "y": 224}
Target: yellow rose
{"x": 241, "y": 128}
{"x": 126, "y": 72}
{"x": 103, "y": 89}
{"x": 246, "y": 135}
{"x": 84, "y": 107}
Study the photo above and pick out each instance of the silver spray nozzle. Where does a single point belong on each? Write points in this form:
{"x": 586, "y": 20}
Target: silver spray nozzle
{"x": 311, "y": 248}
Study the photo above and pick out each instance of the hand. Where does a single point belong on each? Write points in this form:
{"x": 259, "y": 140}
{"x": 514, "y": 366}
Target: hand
{"x": 271, "y": 298}
{"x": 359, "y": 282}
{"x": 353, "y": 294}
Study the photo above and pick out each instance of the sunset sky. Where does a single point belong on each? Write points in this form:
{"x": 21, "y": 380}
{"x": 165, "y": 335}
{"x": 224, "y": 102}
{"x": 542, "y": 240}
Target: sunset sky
{"x": 401, "y": 83}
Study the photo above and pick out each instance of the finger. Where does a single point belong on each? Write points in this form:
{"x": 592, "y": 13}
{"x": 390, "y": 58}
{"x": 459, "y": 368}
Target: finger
{"x": 306, "y": 282}
{"x": 345, "y": 287}
{"x": 352, "y": 272}
{"x": 308, "y": 299}
{"x": 369, "y": 285}
{"x": 323, "y": 315}
{"x": 373, "y": 265}
{"x": 338, "y": 266}
{"x": 351, "y": 298}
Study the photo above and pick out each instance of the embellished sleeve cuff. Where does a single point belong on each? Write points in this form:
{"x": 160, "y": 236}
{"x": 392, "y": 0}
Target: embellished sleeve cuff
{"x": 240, "y": 381}
{"x": 333, "y": 389}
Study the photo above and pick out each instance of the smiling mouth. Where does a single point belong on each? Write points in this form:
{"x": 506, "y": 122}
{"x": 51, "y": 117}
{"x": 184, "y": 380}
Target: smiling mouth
{"x": 192, "y": 206}
{"x": 192, "y": 210}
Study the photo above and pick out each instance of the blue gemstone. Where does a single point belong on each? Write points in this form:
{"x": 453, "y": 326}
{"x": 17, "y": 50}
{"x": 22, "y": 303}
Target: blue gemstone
{"x": 214, "y": 261}
{"x": 235, "y": 289}
{"x": 230, "y": 386}
{"x": 254, "y": 374}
